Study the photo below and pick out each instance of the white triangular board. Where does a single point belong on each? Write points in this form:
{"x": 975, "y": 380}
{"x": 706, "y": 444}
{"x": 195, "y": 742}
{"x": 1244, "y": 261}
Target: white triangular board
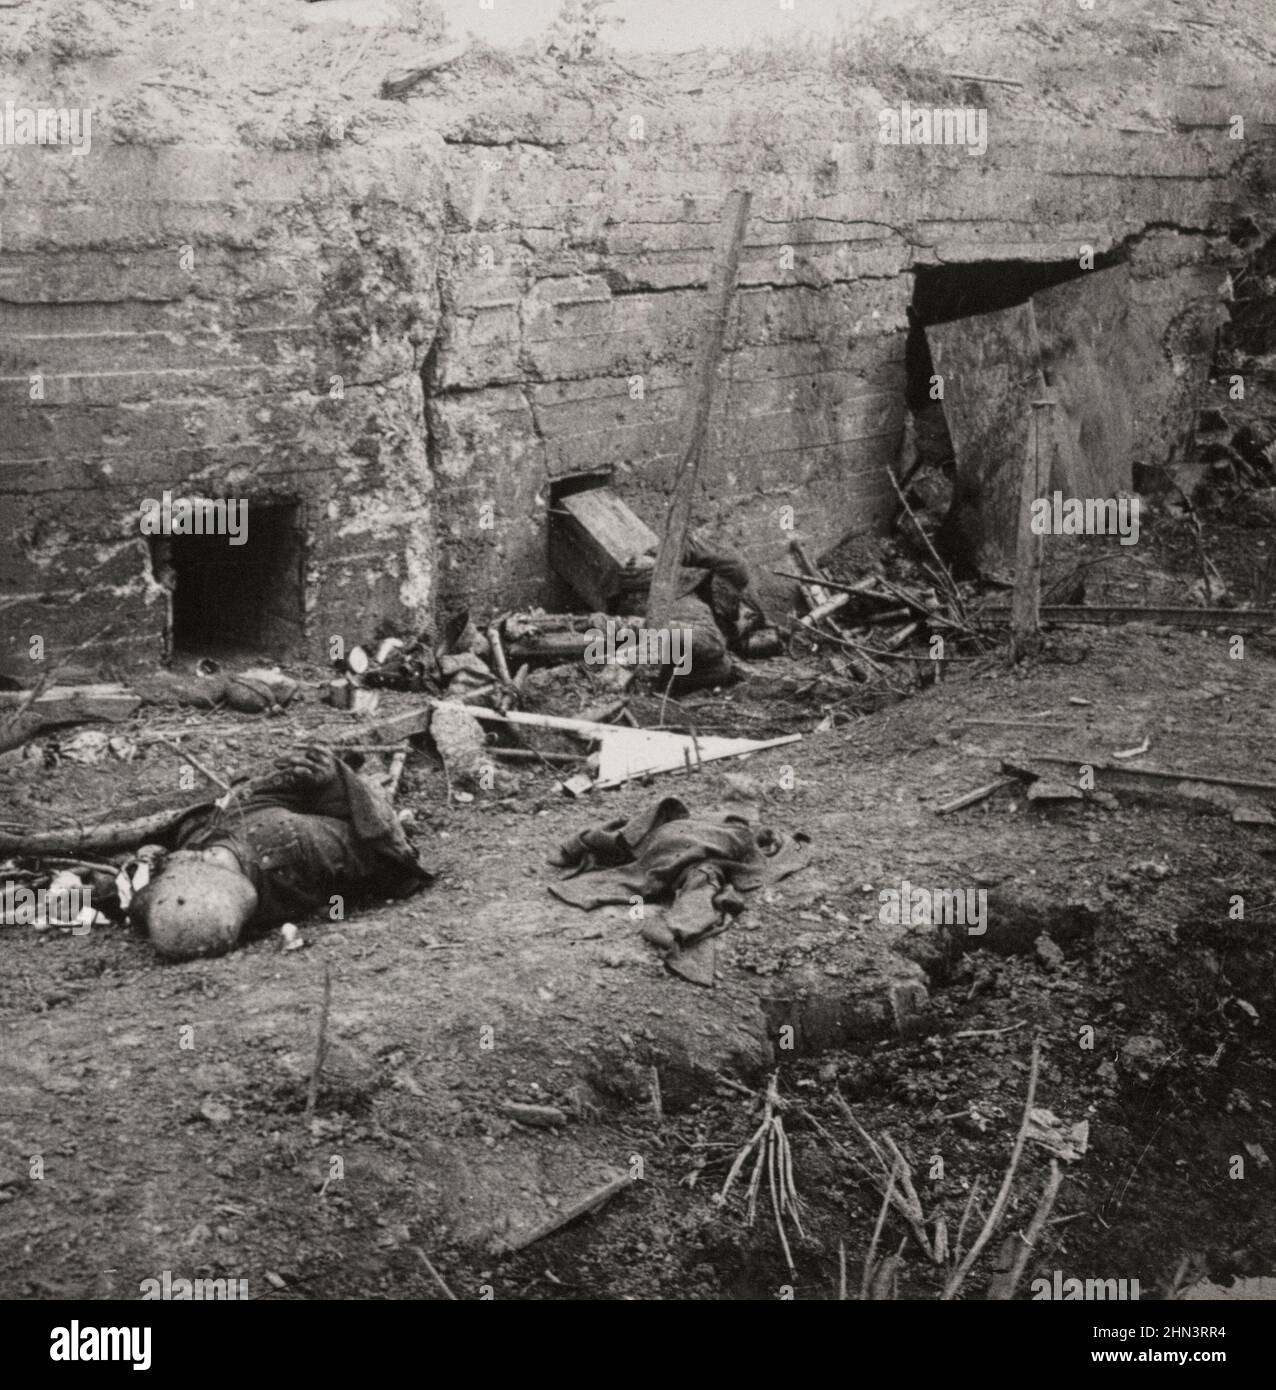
{"x": 629, "y": 753}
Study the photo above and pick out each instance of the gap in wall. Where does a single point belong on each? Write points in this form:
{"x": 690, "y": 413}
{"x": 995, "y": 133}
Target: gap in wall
{"x": 942, "y": 294}
{"x": 246, "y": 598}
{"x": 946, "y": 292}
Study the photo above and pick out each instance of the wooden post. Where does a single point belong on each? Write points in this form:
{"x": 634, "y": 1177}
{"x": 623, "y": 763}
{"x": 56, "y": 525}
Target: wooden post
{"x": 1025, "y": 614}
{"x": 695, "y": 419}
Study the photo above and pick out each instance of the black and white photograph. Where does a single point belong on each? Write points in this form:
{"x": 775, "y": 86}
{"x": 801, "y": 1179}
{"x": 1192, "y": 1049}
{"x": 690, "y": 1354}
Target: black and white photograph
{"x": 636, "y": 664}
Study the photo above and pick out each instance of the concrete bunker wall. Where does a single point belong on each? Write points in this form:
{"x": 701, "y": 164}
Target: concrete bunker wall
{"x": 215, "y": 322}
{"x": 401, "y": 343}
{"x": 577, "y": 257}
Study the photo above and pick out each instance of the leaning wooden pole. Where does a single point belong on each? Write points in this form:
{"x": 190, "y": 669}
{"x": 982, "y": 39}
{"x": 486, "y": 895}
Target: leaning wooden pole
{"x": 695, "y": 420}
{"x": 1025, "y": 614}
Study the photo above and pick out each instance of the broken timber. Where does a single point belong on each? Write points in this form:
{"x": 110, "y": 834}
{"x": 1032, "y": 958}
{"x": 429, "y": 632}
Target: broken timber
{"x": 601, "y": 548}
{"x": 1235, "y": 619}
{"x": 569, "y": 1211}
{"x": 972, "y": 798}
{"x": 1025, "y": 613}
{"x": 816, "y": 590}
{"x": 103, "y": 838}
{"x": 70, "y": 704}
{"x": 107, "y": 836}
{"x": 629, "y": 753}
{"x": 695, "y": 423}
{"x": 1142, "y": 778}
{"x": 393, "y": 730}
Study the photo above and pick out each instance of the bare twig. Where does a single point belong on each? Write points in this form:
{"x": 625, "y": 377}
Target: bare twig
{"x": 870, "y": 1259}
{"x": 321, "y": 1043}
{"x": 734, "y": 1085}
{"x": 984, "y": 77}
{"x": 734, "y": 1171}
{"x": 769, "y": 1147}
{"x": 946, "y": 578}
{"x": 61, "y": 862}
{"x": 434, "y": 1273}
{"x": 1064, "y": 584}
{"x": 193, "y": 760}
{"x": 903, "y": 1196}
{"x": 991, "y": 1032}
{"x": 973, "y": 797}
{"x": 1028, "y": 1242}
{"x": 772, "y": 1163}
{"x": 971, "y": 1198}
{"x": 345, "y": 747}
{"x": 958, "y": 1277}
{"x": 914, "y": 605}
{"x": 936, "y": 1250}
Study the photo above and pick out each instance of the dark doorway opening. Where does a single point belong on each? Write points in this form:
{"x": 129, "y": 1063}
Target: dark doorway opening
{"x": 577, "y": 482}
{"x": 946, "y": 292}
{"x": 229, "y": 598}
{"x": 942, "y": 294}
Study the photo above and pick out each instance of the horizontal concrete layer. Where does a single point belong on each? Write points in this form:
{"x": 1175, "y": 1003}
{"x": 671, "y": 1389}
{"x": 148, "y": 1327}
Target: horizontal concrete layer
{"x": 68, "y": 353}
{"x": 551, "y": 261}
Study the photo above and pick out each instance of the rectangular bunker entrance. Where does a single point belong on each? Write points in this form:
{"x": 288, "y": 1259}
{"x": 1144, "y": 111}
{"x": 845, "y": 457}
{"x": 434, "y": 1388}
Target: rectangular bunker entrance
{"x": 234, "y": 593}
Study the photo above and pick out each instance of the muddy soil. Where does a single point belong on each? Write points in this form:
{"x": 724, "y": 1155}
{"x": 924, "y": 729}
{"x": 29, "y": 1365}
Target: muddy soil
{"x": 155, "y": 1115}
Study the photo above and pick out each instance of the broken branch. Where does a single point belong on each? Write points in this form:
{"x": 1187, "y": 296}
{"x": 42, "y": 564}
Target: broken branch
{"x": 999, "y": 1206}
{"x": 321, "y": 1043}
{"x": 194, "y": 762}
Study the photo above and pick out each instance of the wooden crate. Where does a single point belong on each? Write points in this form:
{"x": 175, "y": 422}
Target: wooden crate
{"x": 602, "y": 549}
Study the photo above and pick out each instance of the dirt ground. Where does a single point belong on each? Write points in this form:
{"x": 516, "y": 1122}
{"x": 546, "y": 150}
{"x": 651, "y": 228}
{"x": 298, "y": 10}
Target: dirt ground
{"x": 154, "y": 1115}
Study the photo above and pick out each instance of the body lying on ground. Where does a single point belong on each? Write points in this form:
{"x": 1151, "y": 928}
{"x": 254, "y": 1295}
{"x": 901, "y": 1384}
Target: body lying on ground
{"x": 313, "y": 832}
{"x": 713, "y": 587}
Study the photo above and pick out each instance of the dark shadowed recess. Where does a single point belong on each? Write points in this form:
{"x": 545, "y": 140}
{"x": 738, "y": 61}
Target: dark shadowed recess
{"x": 946, "y": 292}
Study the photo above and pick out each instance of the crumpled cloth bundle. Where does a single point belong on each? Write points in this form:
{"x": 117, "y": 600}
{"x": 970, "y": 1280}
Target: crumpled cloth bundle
{"x": 700, "y": 862}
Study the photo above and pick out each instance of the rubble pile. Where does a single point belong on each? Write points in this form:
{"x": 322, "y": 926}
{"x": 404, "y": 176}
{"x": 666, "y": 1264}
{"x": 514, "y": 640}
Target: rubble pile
{"x": 893, "y": 619}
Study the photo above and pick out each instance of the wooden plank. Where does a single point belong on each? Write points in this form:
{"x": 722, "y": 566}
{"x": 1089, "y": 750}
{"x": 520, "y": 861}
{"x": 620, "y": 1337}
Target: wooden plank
{"x": 1118, "y": 400}
{"x": 21, "y": 719}
{"x": 1114, "y": 387}
{"x": 630, "y": 753}
{"x": 65, "y": 692}
{"x": 554, "y": 646}
{"x": 1235, "y": 619}
{"x": 1026, "y": 605}
{"x": 1134, "y": 777}
{"x": 588, "y": 728}
{"x": 990, "y": 366}
{"x": 392, "y": 730}
{"x": 971, "y": 798}
{"x": 513, "y": 1240}
{"x": 695, "y": 424}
